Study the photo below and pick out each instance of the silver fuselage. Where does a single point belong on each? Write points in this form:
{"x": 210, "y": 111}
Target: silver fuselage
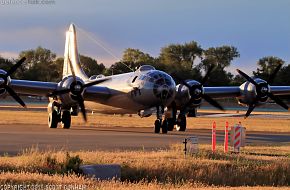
{"x": 138, "y": 90}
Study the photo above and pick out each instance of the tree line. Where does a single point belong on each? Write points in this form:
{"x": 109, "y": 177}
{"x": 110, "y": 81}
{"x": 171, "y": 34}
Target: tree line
{"x": 181, "y": 61}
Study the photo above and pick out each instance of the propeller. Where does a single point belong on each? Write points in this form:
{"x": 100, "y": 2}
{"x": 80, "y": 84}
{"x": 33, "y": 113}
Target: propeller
{"x": 76, "y": 89}
{"x": 196, "y": 91}
{"x": 263, "y": 90}
{"x": 4, "y": 79}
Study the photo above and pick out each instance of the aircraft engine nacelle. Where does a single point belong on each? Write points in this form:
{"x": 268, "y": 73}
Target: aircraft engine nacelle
{"x": 70, "y": 98}
{"x": 250, "y": 94}
{"x": 4, "y": 81}
{"x": 183, "y": 95}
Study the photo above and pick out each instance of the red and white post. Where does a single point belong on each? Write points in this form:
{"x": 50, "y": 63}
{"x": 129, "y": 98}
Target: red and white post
{"x": 213, "y": 138}
{"x": 237, "y": 138}
{"x": 226, "y": 140}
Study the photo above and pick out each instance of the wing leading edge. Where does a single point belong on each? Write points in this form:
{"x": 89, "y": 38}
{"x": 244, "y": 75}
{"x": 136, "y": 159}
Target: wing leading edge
{"x": 38, "y": 88}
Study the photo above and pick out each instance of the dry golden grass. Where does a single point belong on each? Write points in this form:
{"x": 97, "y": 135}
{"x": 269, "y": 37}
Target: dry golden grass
{"x": 107, "y": 120}
{"x": 164, "y": 169}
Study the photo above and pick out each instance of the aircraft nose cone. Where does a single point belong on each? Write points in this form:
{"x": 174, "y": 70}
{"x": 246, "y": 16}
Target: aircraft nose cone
{"x": 164, "y": 87}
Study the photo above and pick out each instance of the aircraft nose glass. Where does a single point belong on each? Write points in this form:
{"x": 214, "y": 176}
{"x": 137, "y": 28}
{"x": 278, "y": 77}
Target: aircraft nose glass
{"x": 162, "y": 88}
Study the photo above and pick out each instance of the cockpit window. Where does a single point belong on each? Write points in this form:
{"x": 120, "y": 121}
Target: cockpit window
{"x": 146, "y": 68}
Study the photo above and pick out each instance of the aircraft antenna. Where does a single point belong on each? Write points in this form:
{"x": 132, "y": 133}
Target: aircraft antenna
{"x": 102, "y": 46}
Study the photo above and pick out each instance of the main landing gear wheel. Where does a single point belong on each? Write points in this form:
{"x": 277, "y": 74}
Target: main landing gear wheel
{"x": 181, "y": 123}
{"x": 170, "y": 124}
{"x": 164, "y": 126}
{"x": 157, "y": 125}
{"x": 66, "y": 119}
{"x": 53, "y": 119}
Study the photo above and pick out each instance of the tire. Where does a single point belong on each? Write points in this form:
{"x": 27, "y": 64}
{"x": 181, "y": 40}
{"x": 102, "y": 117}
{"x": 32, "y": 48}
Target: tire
{"x": 164, "y": 126}
{"x": 170, "y": 124}
{"x": 157, "y": 126}
{"x": 66, "y": 119}
{"x": 53, "y": 119}
{"x": 181, "y": 123}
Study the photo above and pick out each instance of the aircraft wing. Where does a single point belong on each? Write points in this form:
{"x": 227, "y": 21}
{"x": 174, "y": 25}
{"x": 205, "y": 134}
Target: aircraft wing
{"x": 280, "y": 90}
{"x": 222, "y": 92}
{"x": 33, "y": 88}
{"x": 234, "y": 91}
{"x": 38, "y": 88}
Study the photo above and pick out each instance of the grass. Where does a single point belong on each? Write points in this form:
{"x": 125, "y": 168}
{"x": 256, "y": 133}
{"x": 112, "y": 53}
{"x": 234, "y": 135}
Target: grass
{"x": 164, "y": 169}
{"x": 257, "y": 167}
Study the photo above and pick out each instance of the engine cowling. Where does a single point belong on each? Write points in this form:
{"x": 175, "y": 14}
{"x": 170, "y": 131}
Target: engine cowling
{"x": 70, "y": 98}
{"x": 4, "y": 81}
{"x": 183, "y": 94}
{"x": 252, "y": 94}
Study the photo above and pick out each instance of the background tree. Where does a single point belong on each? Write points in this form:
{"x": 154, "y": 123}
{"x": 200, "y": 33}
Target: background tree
{"x": 5, "y": 64}
{"x": 40, "y": 65}
{"x": 131, "y": 60}
{"x": 283, "y": 77}
{"x": 137, "y": 57}
{"x": 91, "y": 66}
{"x": 266, "y": 67}
{"x": 179, "y": 60}
{"x": 221, "y": 57}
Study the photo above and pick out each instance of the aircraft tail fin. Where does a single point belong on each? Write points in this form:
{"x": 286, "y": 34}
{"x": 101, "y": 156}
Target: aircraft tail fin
{"x": 71, "y": 54}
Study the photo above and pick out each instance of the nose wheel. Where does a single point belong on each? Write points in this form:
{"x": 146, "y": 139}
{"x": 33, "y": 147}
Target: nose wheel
{"x": 159, "y": 123}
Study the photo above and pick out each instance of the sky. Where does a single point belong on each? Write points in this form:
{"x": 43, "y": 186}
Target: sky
{"x": 257, "y": 28}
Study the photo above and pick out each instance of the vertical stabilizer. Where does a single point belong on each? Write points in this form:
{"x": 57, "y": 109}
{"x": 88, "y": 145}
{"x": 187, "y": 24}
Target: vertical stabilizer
{"x": 71, "y": 53}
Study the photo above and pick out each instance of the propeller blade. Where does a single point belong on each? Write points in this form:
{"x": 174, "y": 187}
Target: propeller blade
{"x": 205, "y": 78}
{"x": 15, "y": 96}
{"x": 212, "y": 102}
{"x": 273, "y": 75}
{"x": 247, "y": 77}
{"x": 278, "y": 101}
{"x": 14, "y": 67}
{"x": 251, "y": 108}
{"x": 95, "y": 82}
{"x": 58, "y": 92}
{"x": 82, "y": 106}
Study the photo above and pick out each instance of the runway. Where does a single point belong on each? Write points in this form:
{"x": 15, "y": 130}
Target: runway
{"x": 15, "y": 138}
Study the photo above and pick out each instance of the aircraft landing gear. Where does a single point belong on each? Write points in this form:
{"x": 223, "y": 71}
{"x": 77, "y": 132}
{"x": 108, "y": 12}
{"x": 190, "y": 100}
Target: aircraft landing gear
{"x": 53, "y": 119}
{"x": 57, "y": 115}
{"x": 170, "y": 123}
{"x": 181, "y": 123}
{"x": 159, "y": 124}
{"x": 53, "y": 110}
{"x": 66, "y": 119}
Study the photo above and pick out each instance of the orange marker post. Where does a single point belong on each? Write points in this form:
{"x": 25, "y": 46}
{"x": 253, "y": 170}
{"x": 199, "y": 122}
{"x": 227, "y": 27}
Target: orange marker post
{"x": 213, "y": 138}
{"x": 226, "y": 143}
